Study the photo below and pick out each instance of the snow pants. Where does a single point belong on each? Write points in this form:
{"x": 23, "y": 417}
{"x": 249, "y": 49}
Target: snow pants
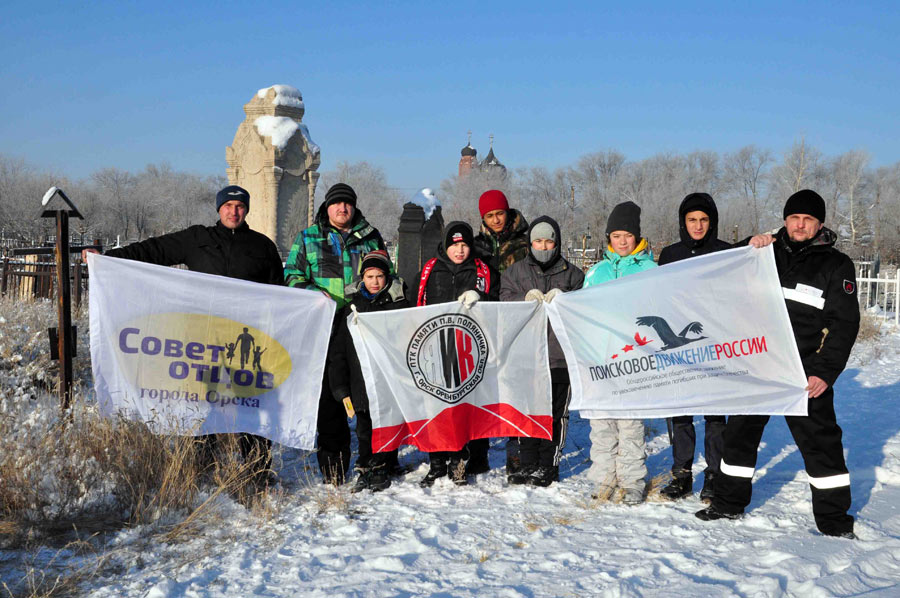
{"x": 333, "y": 434}
{"x": 367, "y": 459}
{"x": 819, "y": 439}
{"x": 618, "y": 453}
{"x": 546, "y": 453}
{"x": 684, "y": 441}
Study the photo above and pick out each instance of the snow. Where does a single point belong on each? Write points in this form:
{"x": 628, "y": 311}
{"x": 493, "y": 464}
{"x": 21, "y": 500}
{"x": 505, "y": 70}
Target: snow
{"x": 48, "y": 195}
{"x": 281, "y": 129}
{"x": 427, "y": 200}
{"x": 285, "y": 95}
{"x": 491, "y": 539}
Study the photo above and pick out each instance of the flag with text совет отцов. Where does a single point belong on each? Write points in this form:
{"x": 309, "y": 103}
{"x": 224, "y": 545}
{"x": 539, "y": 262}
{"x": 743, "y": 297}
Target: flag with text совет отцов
{"x": 193, "y": 353}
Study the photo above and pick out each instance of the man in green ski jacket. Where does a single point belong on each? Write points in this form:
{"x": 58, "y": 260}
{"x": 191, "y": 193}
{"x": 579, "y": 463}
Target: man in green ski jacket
{"x": 326, "y": 256}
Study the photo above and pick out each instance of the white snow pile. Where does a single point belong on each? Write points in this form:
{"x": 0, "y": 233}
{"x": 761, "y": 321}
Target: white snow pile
{"x": 427, "y": 200}
{"x": 281, "y": 129}
{"x": 492, "y": 539}
{"x": 285, "y": 95}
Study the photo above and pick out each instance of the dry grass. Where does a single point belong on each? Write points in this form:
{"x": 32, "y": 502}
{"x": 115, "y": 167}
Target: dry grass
{"x": 870, "y": 327}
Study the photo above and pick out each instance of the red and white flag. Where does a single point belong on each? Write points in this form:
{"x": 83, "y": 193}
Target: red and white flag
{"x": 442, "y": 375}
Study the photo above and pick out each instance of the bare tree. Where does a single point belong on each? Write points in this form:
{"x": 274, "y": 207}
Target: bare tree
{"x": 849, "y": 173}
{"x": 744, "y": 175}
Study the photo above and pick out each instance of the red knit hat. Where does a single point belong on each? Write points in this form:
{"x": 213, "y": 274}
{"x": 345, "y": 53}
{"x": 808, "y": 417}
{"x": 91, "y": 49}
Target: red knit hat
{"x": 492, "y": 200}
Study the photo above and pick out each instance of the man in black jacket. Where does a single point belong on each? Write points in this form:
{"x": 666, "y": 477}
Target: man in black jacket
{"x": 228, "y": 248}
{"x": 698, "y": 224}
{"x": 819, "y": 284}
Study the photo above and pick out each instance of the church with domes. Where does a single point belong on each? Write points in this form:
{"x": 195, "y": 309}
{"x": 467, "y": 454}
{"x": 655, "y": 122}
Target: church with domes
{"x": 468, "y": 160}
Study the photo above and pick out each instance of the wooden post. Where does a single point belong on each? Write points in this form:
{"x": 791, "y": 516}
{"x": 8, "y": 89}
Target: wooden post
{"x": 64, "y": 304}
{"x": 77, "y": 283}
{"x": 5, "y": 274}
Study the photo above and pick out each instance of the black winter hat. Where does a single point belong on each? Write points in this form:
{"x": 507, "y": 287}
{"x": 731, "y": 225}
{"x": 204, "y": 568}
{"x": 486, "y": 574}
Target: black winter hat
{"x": 340, "y": 192}
{"x": 625, "y": 216}
{"x": 376, "y": 259}
{"x": 457, "y": 231}
{"x": 232, "y": 192}
{"x": 805, "y": 201}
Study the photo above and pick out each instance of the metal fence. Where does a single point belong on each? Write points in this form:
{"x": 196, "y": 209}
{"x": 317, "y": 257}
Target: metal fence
{"x": 880, "y": 295}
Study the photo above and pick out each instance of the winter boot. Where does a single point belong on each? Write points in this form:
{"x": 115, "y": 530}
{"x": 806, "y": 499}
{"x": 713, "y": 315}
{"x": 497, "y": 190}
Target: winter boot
{"x": 709, "y": 483}
{"x": 680, "y": 486}
{"x": 633, "y": 496}
{"x": 520, "y": 475}
{"x": 543, "y": 476}
{"x": 363, "y": 481}
{"x": 379, "y": 479}
{"x": 457, "y": 472}
{"x": 437, "y": 470}
{"x": 711, "y": 513}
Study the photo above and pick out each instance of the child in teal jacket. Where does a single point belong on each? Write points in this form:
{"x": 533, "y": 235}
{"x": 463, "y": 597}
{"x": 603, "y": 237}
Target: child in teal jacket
{"x": 618, "y": 451}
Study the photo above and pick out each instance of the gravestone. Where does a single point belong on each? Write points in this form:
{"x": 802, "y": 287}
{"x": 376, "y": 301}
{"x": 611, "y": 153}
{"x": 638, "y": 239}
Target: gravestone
{"x": 275, "y": 160}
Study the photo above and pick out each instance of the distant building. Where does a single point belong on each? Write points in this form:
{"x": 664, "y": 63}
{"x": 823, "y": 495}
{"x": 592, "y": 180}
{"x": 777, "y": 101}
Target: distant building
{"x": 469, "y": 160}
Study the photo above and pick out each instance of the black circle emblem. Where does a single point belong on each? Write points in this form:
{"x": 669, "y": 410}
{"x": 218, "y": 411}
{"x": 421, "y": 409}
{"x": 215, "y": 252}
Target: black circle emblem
{"x": 446, "y": 356}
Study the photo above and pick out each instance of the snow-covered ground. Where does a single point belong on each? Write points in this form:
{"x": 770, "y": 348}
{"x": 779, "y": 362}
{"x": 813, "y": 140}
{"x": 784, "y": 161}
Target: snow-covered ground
{"x": 490, "y": 539}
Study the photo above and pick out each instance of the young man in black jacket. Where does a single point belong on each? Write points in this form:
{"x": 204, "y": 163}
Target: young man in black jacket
{"x": 228, "y": 248}
{"x": 819, "y": 285}
{"x": 698, "y": 226}
{"x": 378, "y": 290}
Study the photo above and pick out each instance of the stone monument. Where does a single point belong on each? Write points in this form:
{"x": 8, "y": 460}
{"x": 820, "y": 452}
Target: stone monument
{"x": 274, "y": 158}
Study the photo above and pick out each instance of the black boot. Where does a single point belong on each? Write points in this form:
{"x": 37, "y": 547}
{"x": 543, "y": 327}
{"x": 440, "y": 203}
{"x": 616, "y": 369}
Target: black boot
{"x": 379, "y": 479}
{"x": 437, "y": 470}
{"x": 457, "y": 472}
{"x": 680, "y": 486}
{"x": 520, "y": 474}
{"x": 362, "y": 481}
{"x": 711, "y": 513}
{"x": 543, "y": 476}
{"x": 709, "y": 483}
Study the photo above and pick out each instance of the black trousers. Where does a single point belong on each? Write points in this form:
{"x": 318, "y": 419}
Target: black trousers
{"x": 547, "y": 453}
{"x": 819, "y": 439}
{"x": 333, "y": 433}
{"x": 367, "y": 459}
{"x": 684, "y": 441}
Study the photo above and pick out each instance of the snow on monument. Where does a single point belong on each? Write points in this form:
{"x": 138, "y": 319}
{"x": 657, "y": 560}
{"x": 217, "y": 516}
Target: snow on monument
{"x": 274, "y": 158}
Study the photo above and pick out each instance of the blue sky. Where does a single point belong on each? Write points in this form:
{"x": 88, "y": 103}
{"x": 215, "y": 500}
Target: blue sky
{"x": 86, "y": 86}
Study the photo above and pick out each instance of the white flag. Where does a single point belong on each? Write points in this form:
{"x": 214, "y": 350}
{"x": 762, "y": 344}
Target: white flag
{"x": 704, "y": 336}
{"x": 442, "y": 375}
{"x": 194, "y": 353}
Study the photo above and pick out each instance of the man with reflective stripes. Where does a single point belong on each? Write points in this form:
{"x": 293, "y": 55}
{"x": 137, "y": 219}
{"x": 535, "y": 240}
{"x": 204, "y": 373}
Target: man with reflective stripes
{"x": 819, "y": 284}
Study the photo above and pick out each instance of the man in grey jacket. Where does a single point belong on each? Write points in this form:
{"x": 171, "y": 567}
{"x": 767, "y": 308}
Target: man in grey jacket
{"x": 542, "y": 275}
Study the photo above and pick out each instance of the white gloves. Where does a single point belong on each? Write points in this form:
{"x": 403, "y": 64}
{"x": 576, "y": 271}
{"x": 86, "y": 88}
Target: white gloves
{"x": 469, "y": 298}
{"x": 550, "y": 295}
{"x": 354, "y": 315}
{"x": 534, "y": 295}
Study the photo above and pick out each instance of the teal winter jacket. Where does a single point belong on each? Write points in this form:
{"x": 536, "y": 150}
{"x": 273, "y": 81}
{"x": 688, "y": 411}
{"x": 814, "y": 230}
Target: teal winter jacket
{"x": 614, "y": 266}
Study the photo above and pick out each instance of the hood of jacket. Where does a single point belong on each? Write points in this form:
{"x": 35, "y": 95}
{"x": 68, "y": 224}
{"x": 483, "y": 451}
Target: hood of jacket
{"x": 704, "y": 203}
{"x": 556, "y": 250}
{"x": 641, "y": 253}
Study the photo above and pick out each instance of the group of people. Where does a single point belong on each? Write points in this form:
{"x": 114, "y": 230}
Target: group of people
{"x": 344, "y": 257}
